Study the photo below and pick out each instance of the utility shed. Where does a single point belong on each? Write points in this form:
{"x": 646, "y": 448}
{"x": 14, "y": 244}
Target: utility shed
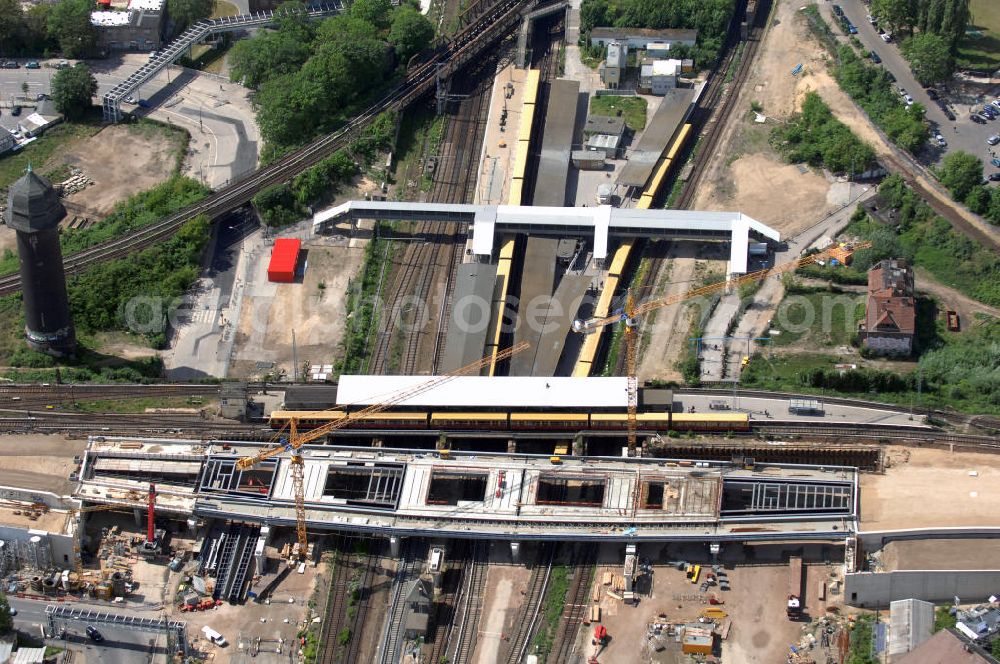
{"x": 911, "y": 622}
{"x": 284, "y": 258}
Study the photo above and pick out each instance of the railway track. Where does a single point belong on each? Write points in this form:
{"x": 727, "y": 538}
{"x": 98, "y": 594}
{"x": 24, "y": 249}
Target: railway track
{"x": 340, "y": 598}
{"x": 719, "y": 98}
{"x": 25, "y": 397}
{"x": 524, "y": 627}
{"x": 470, "y": 605}
{"x": 577, "y": 605}
{"x": 492, "y": 23}
{"x": 408, "y": 323}
{"x": 391, "y": 649}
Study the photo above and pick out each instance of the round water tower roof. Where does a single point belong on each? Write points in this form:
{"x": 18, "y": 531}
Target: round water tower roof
{"x": 33, "y": 205}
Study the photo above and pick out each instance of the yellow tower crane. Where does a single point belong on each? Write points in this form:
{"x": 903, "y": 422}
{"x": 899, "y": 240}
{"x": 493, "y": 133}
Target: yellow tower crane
{"x": 296, "y": 439}
{"x": 630, "y": 313}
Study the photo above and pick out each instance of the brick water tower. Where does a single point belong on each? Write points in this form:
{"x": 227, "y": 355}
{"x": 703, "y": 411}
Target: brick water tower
{"x": 34, "y": 211}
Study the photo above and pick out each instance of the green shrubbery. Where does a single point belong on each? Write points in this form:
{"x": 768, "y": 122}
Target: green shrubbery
{"x": 102, "y": 298}
{"x": 871, "y": 88}
{"x": 962, "y": 174}
{"x": 710, "y": 17}
{"x": 817, "y": 138}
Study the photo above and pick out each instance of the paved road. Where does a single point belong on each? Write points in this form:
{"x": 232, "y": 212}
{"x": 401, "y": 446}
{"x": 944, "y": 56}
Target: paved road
{"x": 120, "y": 646}
{"x": 224, "y": 142}
{"x": 777, "y": 409}
{"x": 755, "y": 320}
{"x": 962, "y": 134}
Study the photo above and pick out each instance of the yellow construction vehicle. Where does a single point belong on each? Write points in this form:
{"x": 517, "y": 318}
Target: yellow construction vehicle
{"x": 631, "y": 312}
{"x": 290, "y": 439}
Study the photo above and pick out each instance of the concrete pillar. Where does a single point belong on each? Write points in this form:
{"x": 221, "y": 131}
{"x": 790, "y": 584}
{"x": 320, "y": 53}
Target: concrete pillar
{"x": 511, "y": 446}
{"x": 579, "y": 446}
{"x": 138, "y": 515}
{"x": 394, "y": 545}
{"x": 260, "y": 557}
{"x": 515, "y": 552}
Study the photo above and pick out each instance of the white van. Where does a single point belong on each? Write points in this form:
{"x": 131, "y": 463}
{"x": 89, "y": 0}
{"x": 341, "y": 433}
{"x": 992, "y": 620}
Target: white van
{"x": 214, "y": 636}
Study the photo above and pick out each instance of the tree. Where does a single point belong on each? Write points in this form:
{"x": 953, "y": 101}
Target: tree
{"x": 6, "y": 621}
{"x": 11, "y": 24}
{"x": 411, "y": 32}
{"x": 186, "y": 12}
{"x": 69, "y": 25}
{"x": 376, "y": 12}
{"x": 897, "y": 14}
{"x": 255, "y": 61}
{"x": 929, "y": 58}
{"x": 72, "y": 90}
{"x": 960, "y": 172}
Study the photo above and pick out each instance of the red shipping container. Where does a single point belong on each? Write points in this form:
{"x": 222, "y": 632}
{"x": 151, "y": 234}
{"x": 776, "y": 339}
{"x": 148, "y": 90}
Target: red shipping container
{"x": 284, "y": 258}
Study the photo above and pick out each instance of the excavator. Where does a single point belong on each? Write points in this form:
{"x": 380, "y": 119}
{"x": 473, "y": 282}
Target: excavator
{"x": 600, "y": 642}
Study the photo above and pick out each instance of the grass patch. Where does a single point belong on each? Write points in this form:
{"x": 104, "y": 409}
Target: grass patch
{"x": 555, "y": 600}
{"x": 633, "y": 109}
{"x": 221, "y": 9}
{"x": 138, "y": 405}
{"x": 56, "y": 140}
{"x": 861, "y": 648}
{"x": 823, "y": 317}
{"x": 943, "y": 618}
{"x": 980, "y": 49}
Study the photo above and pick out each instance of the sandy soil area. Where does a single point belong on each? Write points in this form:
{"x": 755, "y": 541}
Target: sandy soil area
{"x": 502, "y": 583}
{"x": 941, "y": 554}
{"x": 746, "y": 173}
{"x": 940, "y": 482}
{"x": 755, "y": 604}
{"x": 122, "y": 160}
{"x": 271, "y": 311}
{"x": 949, "y": 298}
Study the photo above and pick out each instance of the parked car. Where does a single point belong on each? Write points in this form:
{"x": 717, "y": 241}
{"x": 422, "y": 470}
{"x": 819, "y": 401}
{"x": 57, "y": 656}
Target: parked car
{"x": 10, "y": 64}
{"x": 15, "y": 111}
{"x": 32, "y": 65}
{"x": 40, "y": 96}
{"x": 887, "y": 37}
{"x": 851, "y": 29}
{"x": 908, "y": 99}
{"x": 62, "y": 64}
{"x": 94, "y": 634}
{"x": 838, "y": 10}
{"x": 996, "y": 102}
{"x": 874, "y": 56}
{"x": 995, "y": 162}
{"x": 872, "y": 19}
{"x": 985, "y": 116}
{"x": 995, "y": 177}
{"x": 939, "y": 139}
{"x": 975, "y": 117}
{"x": 993, "y": 140}
{"x": 947, "y": 113}
{"x": 932, "y": 93}
{"x": 889, "y": 75}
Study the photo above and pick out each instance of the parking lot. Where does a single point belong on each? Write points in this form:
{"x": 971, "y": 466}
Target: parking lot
{"x": 961, "y": 97}
{"x": 225, "y": 141}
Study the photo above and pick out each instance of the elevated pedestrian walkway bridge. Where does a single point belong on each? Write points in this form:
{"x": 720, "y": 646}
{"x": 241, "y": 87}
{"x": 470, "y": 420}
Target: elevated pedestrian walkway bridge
{"x": 597, "y": 223}
{"x": 162, "y": 59}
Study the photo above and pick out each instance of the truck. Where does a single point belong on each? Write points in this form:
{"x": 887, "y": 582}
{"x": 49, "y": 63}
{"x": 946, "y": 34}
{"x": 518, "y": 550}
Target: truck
{"x": 953, "y": 322}
{"x": 794, "y": 608}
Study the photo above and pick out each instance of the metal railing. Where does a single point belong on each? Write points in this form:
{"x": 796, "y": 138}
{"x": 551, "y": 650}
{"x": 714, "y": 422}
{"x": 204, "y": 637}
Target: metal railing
{"x": 162, "y": 59}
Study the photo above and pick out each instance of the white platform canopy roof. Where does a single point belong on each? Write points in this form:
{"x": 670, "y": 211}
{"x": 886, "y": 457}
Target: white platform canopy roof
{"x": 599, "y": 222}
{"x": 482, "y": 391}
